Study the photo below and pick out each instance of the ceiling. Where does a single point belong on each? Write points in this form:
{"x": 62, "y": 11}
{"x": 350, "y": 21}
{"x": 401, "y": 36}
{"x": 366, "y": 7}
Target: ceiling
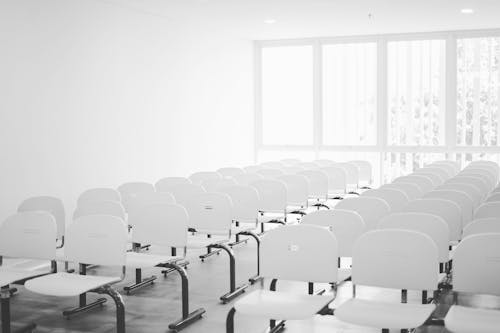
{"x": 310, "y": 18}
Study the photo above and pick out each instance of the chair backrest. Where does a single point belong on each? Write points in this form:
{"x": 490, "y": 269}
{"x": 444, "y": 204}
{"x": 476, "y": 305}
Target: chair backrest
{"x": 161, "y": 224}
{"x": 488, "y": 209}
{"x": 396, "y": 199}
{"x": 484, "y": 173}
{"x": 439, "y": 174}
{"x": 471, "y": 190}
{"x": 247, "y": 178}
{"x": 167, "y": 183}
{"x": 485, "y": 225}
{"x": 150, "y": 198}
{"x": 318, "y": 183}
{"x": 112, "y": 208}
{"x": 476, "y": 265}
{"x": 290, "y": 161}
{"x": 297, "y": 187}
{"x": 30, "y": 235}
{"x": 496, "y": 189}
{"x": 432, "y": 225}
{"x": 285, "y": 249}
{"x": 399, "y": 259}
{"x": 337, "y": 178}
{"x": 475, "y": 180}
{"x": 291, "y": 170}
{"x": 413, "y": 191}
{"x": 486, "y": 164}
{"x": 214, "y": 185}
{"x": 272, "y": 195}
{"x": 453, "y": 164}
{"x": 210, "y": 212}
{"x": 322, "y": 163}
{"x": 129, "y": 190}
{"x": 97, "y": 240}
{"x": 369, "y": 208}
{"x": 493, "y": 197}
{"x": 450, "y": 170}
{"x": 272, "y": 165}
{"x": 462, "y": 199}
{"x": 448, "y": 210}
{"x": 48, "y": 204}
{"x": 352, "y": 172}
{"x": 245, "y": 200}
{"x": 99, "y": 194}
{"x": 423, "y": 181}
{"x": 270, "y": 173}
{"x": 230, "y": 171}
{"x": 252, "y": 168}
{"x": 184, "y": 192}
{"x": 308, "y": 165}
{"x": 346, "y": 225}
{"x": 199, "y": 177}
{"x": 365, "y": 171}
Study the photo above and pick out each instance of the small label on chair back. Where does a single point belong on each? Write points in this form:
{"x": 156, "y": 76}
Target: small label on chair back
{"x": 293, "y": 248}
{"x": 208, "y": 207}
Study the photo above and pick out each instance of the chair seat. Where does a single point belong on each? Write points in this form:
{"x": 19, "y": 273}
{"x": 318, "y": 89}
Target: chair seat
{"x": 202, "y": 241}
{"x": 146, "y": 260}
{"x": 462, "y": 319}
{"x": 65, "y": 284}
{"x": 281, "y": 305}
{"x": 384, "y": 315}
{"x": 11, "y": 275}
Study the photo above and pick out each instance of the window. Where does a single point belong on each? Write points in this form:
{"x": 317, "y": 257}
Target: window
{"x": 416, "y": 92}
{"x": 287, "y": 95}
{"x": 350, "y": 94}
{"x": 478, "y": 91}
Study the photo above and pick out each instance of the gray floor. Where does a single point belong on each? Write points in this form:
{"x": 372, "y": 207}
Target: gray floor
{"x": 152, "y": 308}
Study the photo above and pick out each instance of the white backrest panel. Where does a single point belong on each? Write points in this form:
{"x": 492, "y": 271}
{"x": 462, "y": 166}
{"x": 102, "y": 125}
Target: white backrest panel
{"x": 422, "y": 181}
{"x": 365, "y": 171}
{"x": 48, "y": 204}
{"x": 245, "y": 200}
{"x": 230, "y": 171}
{"x": 463, "y": 200}
{"x": 432, "y": 225}
{"x": 214, "y": 185}
{"x": 272, "y": 194}
{"x": 131, "y": 189}
{"x": 486, "y": 174}
{"x": 472, "y": 191}
{"x": 346, "y": 225}
{"x": 184, "y": 192}
{"x": 449, "y": 169}
{"x": 442, "y": 173}
{"x": 199, "y": 177}
{"x": 291, "y": 253}
{"x": 435, "y": 178}
{"x": 396, "y": 199}
{"x": 297, "y": 189}
{"x": 400, "y": 259}
{"x": 160, "y": 224}
{"x": 210, "y": 211}
{"x": 482, "y": 226}
{"x": 270, "y": 173}
{"x": 480, "y": 183}
{"x": 318, "y": 183}
{"x": 166, "y": 184}
{"x": 150, "y": 198}
{"x": 337, "y": 178}
{"x": 29, "y": 235}
{"x": 370, "y": 209}
{"x": 488, "y": 209}
{"x": 113, "y": 208}
{"x": 97, "y": 240}
{"x": 477, "y": 257}
{"x": 99, "y": 194}
{"x": 247, "y": 178}
{"x": 352, "y": 172}
{"x": 413, "y": 191}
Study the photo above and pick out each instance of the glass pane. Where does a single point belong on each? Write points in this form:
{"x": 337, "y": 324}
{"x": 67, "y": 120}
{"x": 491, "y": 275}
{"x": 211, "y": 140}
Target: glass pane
{"x": 478, "y": 91}
{"x": 287, "y": 95}
{"x": 350, "y": 94}
{"x": 416, "y": 92}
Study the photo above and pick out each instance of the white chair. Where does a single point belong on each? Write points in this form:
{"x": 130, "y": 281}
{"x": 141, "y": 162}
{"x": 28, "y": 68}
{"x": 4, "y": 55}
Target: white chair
{"x": 51, "y": 205}
{"x": 252, "y": 168}
{"x": 161, "y": 225}
{"x": 346, "y": 225}
{"x": 270, "y": 173}
{"x": 488, "y": 209}
{"x": 99, "y": 194}
{"x": 475, "y": 180}
{"x": 131, "y": 189}
{"x": 318, "y": 186}
{"x": 273, "y": 199}
{"x": 150, "y": 198}
{"x": 230, "y": 171}
{"x": 272, "y": 165}
{"x": 413, "y": 191}
{"x": 214, "y": 185}
{"x": 486, "y": 174}
{"x": 290, "y": 161}
{"x": 112, "y": 208}
{"x": 365, "y": 173}
{"x": 493, "y": 197}
{"x": 352, "y": 176}
{"x": 432, "y": 225}
{"x": 396, "y": 199}
{"x": 24, "y": 235}
{"x": 448, "y": 210}
{"x": 337, "y": 181}
{"x": 283, "y": 251}
{"x": 183, "y": 192}
{"x": 167, "y": 183}
{"x": 485, "y": 225}
{"x": 199, "y": 177}
{"x": 471, "y": 190}
{"x": 291, "y": 170}
{"x": 494, "y": 167}
{"x": 308, "y": 165}
{"x": 442, "y": 175}
{"x": 450, "y": 170}
{"x": 398, "y": 259}
{"x": 297, "y": 195}
{"x": 369, "y": 208}
{"x": 451, "y": 164}
{"x": 211, "y": 214}
{"x": 247, "y": 178}
{"x": 475, "y": 257}
{"x": 323, "y": 163}
{"x": 423, "y": 181}
{"x": 98, "y": 240}
{"x": 462, "y": 199}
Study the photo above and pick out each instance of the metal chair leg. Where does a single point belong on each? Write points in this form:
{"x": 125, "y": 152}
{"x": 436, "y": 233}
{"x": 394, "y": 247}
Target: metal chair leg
{"x": 120, "y": 307}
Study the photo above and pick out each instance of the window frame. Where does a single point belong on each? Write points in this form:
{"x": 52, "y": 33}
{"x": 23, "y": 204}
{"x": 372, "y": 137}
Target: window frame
{"x": 449, "y": 147}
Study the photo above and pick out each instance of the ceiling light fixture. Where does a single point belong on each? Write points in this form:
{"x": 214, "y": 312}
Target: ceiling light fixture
{"x": 467, "y": 11}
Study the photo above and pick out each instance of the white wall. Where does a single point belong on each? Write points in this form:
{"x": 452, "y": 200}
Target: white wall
{"x": 95, "y": 94}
